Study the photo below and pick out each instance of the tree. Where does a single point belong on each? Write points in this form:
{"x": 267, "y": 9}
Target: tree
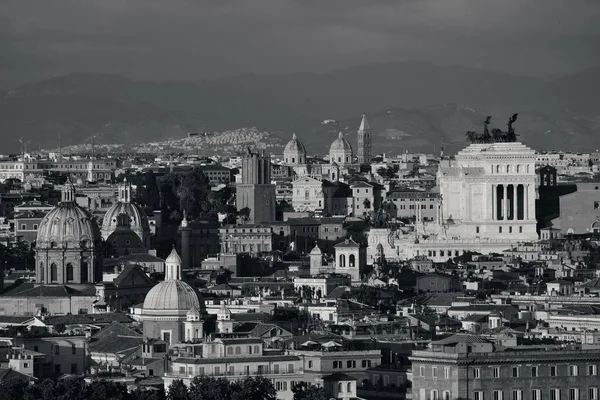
{"x": 178, "y": 391}
{"x": 255, "y": 388}
{"x": 244, "y": 214}
{"x": 210, "y": 388}
{"x": 305, "y": 391}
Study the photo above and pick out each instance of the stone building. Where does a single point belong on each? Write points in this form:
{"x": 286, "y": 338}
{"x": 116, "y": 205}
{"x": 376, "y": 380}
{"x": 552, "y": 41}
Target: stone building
{"x": 256, "y": 192}
{"x": 250, "y": 239}
{"x": 68, "y": 245}
{"x": 469, "y": 367}
{"x": 340, "y": 152}
{"x": 350, "y": 259}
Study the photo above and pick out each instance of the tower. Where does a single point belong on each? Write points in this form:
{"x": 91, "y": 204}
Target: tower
{"x": 185, "y": 242}
{"x": 364, "y": 141}
{"x": 316, "y": 260}
{"x": 256, "y": 191}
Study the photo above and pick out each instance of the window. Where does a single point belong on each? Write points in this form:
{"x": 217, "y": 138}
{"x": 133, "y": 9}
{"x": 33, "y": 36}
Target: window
{"x": 73, "y": 349}
{"x": 35, "y": 348}
{"x": 349, "y": 387}
{"x": 554, "y": 394}
{"x": 520, "y": 229}
{"x": 276, "y": 368}
{"x": 574, "y": 394}
{"x": 421, "y": 371}
{"x": 534, "y": 371}
{"x": 74, "y": 369}
{"x": 510, "y": 229}
{"x": 476, "y": 229}
{"x": 476, "y": 373}
{"x": 573, "y": 370}
{"x": 592, "y": 370}
{"x": 593, "y": 393}
{"x": 56, "y": 350}
{"x": 553, "y": 370}
{"x": 446, "y": 395}
{"x": 499, "y": 229}
{"x": 434, "y": 395}
{"x": 596, "y": 205}
{"x": 478, "y": 395}
{"x": 310, "y": 364}
{"x": 351, "y": 364}
{"x": 434, "y": 372}
{"x": 23, "y": 227}
{"x": 496, "y": 372}
{"x": 515, "y": 372}
{"x": 497, "y": 395}
{"x": 517, "y": 395}
{"x": 536, "y": 394}
{"x": 447, "y": 373}
{"x": 291, "y": 367}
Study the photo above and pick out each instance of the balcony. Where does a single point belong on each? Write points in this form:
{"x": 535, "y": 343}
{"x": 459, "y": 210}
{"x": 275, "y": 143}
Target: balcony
{"x": 241, "y": 374}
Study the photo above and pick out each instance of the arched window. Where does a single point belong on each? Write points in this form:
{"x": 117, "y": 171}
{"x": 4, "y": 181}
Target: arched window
{"x": 249, "y": 349}
{"x": 256, "y": 350}
{"x": 349, "y": 387}
{"x": 340, "y": 387}
{"x": 508, "y": 168}
{"x": 446, "y": 395}
{"x": 69, "y": 272}
{"x": 229, "y": 350}
{"x": 497, "y": 169}
{"x": 518, "y": 169}
{"x": 342, "y": 260}
{"x": 238, "y": 350}
{"x": 352, "y": 260}
{"x": 53, "y": 273}
{"x": 42, "y": 277}
{"x": 434, "y": 395}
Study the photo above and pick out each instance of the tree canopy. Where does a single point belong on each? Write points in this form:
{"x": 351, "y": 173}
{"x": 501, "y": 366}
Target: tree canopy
{"x": 304, "y": 391}
{"x": 208, "y": 388}
{"x": 72, "y": 389}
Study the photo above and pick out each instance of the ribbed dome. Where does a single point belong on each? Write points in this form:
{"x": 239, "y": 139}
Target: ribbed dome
{"x": 67, "y": 225}
{"x": 294, "y": 146}
{"x": 137, "y": 219}
{"x": 340, "y": 145}
{"x": 171, "y": 298}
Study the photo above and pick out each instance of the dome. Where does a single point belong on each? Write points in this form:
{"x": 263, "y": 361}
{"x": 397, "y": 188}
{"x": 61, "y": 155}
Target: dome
{"x": 294, "y": 146}
{"x": 316, "y": 250}
{"x": 172, "y": 298}
{"x": 67, "y": 225}
{"x": 137, "y": 219}
{"x": 294, "y": 152}
{"x": 340, "y": 145}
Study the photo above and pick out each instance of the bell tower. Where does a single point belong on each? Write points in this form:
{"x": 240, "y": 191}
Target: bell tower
{"x": 364, "y": 141}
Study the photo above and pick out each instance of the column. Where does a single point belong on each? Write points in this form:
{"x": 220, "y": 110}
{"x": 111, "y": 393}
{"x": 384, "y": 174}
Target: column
{"x": 505, "y": 202}
{"x": 494, "y": 194}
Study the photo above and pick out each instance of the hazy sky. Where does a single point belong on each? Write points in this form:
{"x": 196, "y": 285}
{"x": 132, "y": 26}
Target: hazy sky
{"x": 199, "y": 39}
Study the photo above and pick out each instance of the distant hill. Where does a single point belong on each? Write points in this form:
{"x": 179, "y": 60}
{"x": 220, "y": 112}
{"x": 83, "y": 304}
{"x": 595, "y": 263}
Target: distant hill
{"x": 410, "y": 105}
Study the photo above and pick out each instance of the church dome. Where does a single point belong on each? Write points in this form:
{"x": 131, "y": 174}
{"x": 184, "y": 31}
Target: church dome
{"x": 172, "y": 297}
{"x": 294, "y": 152}
{"x": 67, "y": 225}
{"x": 138, "y": 220}
{"x": 340, "y": 145}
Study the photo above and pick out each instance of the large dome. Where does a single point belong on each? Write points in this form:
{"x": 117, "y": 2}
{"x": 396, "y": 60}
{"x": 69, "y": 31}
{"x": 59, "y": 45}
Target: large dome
{"x": 67, "y": 225}
{"x": 340, "y": 145}
{"x": 172, "y": 297}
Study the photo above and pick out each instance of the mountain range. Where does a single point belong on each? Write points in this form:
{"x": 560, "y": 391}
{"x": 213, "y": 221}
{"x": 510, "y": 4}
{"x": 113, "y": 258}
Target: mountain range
{"x": 411, "y": 106}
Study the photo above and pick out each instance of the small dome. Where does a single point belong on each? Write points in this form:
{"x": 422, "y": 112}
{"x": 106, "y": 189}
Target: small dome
{"x": 67, "y": 225}
{"x": 172, "y": 297}
{"x": 316, "y": 250}
{"x": 340, "y": 145}
{"x": 173, "y": 258}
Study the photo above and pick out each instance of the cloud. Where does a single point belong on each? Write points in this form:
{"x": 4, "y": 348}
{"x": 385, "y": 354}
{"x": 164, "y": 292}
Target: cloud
{"x": 197, "y": 39}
